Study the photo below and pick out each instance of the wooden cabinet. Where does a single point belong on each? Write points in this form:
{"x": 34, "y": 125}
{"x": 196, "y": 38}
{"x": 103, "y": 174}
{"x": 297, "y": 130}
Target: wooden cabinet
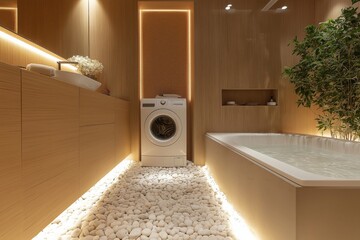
{"x": 50, "y": 137}
{"x": 56, "y": 141}
{"x": 95, "y": 108}
{"x": 10, "y": 153}
{"x": 122, "y": 130}
{"x": 104, "y": 135}
{"x": 97, "y": 153}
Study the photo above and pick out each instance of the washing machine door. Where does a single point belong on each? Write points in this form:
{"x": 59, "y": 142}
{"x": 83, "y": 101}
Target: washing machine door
{"x": 163, "y": 127}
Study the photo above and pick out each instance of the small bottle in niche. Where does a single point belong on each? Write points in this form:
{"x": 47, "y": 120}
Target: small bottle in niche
{"x": 271, "y": 102}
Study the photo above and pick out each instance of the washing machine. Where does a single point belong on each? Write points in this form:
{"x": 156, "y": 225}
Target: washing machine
{"x": 163, "y": 132}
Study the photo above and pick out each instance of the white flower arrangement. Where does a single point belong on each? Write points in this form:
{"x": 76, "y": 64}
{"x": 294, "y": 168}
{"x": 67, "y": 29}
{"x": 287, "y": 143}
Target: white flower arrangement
{"x": 87, "y": 66}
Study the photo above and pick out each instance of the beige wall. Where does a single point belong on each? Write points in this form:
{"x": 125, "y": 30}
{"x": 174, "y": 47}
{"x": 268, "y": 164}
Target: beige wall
{"x": 164, "y": 53}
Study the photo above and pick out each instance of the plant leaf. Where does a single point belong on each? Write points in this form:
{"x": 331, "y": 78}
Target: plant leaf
{"x": 355, "y": 1}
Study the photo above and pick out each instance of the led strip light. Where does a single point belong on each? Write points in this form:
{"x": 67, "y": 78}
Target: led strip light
{"x": 10, "y": 37}
{"x": 238, "y": 225}
{"x": 73, "y": 215}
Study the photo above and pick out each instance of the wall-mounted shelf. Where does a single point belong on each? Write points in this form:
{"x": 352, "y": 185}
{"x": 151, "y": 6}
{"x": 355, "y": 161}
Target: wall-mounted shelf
{"x": 248, "y": 97}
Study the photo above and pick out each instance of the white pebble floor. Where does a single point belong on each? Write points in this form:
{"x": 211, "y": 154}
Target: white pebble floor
{"x": 151, "y": 203}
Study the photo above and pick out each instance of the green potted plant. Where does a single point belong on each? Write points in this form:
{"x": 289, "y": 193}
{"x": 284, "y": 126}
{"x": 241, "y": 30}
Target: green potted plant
{"x": 328, "y": 73}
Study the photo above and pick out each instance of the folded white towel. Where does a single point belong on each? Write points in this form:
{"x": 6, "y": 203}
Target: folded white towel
{"x": 42, "y": 69}
{"x": 168, "y": 95}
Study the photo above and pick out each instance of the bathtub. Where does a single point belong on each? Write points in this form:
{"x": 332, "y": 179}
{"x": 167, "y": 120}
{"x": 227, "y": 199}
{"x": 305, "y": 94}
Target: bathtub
{"x": 303, "y": 160}
{"x": 287, "y": 186}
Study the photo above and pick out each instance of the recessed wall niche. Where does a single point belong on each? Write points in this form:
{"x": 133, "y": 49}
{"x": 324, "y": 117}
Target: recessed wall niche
{"x": 249, "y": 97}
{"x": 165, "y": 48}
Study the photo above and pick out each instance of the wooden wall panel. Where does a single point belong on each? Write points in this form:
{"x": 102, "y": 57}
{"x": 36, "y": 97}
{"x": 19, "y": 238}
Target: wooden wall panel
{"x": 50, "y": 143}
{"x": 97, "y": 145}
{"x": 11, "y": 204}
{"x": 327, "y": 9}
{"x": 240, "y": 49}
{"x": 116, "y": 23}
{"x": 96, "y": 108}
{"x": 113, "y": 34}
{"x": 60, "y": 26}
{"x": 294, "y": 119}
{"x": 8, "y": 3}
{"x": 8, "y": 19}
{"x": 207, "y": 16}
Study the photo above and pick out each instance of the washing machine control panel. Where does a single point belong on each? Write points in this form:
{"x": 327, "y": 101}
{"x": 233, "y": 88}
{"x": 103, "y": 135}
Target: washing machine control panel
{"x": 162, "y": 103}
{"x": 145, "y": 105}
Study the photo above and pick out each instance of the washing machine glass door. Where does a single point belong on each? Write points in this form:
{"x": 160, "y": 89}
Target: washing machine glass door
{"x": 163, "y": 127}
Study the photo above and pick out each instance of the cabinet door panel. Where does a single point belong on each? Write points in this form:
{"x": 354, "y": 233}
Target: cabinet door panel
{"x": 122, "y": 130}
{"x": 50, "y": 136}
{"x": 97, "y": 153}
{"x": 10, "y": 153}
{"x": 95, "y": 108}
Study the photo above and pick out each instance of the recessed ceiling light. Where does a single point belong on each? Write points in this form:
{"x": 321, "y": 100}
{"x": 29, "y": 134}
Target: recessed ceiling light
{"x": 284, "y": 7}
{"x": 228, "y": 7}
